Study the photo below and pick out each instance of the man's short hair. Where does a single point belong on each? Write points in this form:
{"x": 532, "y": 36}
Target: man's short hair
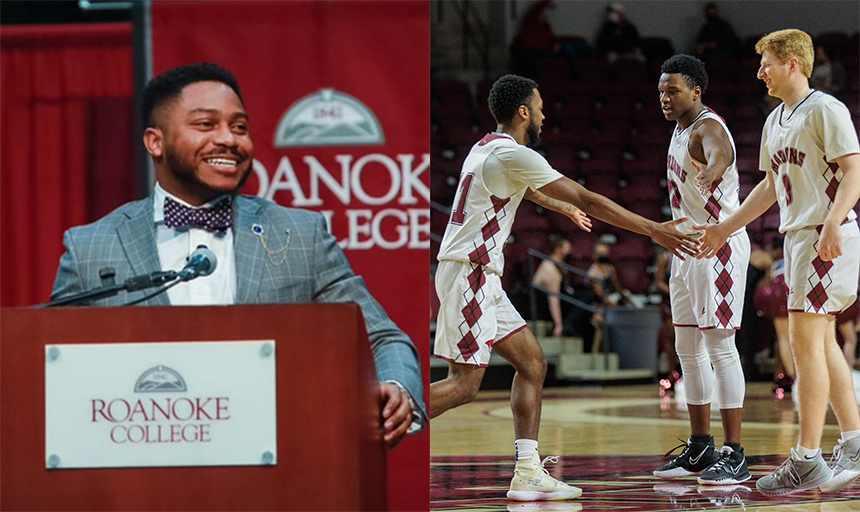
{"x": 788, "y": 44}
{"x": 168, "y": 86}
{"x": 507, "y": 94}
{"x": 692, "y": 70}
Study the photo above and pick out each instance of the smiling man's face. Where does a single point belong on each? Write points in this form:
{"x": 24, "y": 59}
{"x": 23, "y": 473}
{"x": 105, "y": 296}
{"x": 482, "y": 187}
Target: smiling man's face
{"x": 205, "y": 148}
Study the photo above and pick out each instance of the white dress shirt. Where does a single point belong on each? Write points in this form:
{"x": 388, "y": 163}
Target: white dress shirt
{"x": 176, "y": 245}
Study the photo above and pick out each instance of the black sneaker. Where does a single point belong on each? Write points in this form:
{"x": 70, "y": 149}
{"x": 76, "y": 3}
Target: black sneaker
{"x": 695, "y": 458}
{"x": 730, "y": 468}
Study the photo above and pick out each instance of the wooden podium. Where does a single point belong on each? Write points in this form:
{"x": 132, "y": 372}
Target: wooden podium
{"x": 330, "y": 450}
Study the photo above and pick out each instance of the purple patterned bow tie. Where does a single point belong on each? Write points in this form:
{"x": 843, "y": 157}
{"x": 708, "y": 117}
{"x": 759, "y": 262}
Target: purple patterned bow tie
{"x": 215, "y": 218}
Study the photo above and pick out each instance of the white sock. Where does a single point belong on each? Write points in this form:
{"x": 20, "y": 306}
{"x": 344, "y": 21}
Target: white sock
{"x": 806, "y": 453}
{"x": 851, "y": 434}
{"x": 526, "y": 448}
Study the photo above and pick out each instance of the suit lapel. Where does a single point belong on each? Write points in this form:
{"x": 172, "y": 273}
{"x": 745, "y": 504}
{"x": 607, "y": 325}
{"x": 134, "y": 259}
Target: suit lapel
{"x": 137, "y": 236}
{"x": 255, "y": 240}
{"x": 248, "y": 250}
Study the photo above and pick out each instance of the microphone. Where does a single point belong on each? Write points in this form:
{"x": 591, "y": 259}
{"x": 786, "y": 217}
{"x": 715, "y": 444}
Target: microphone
{"x": 202, "y": 262}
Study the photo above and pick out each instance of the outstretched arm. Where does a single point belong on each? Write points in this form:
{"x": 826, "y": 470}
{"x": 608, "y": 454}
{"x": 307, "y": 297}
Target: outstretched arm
{"x": 598, "y": 206}
{"x": 760, "y": 199}
{"x": 568, "y": 210}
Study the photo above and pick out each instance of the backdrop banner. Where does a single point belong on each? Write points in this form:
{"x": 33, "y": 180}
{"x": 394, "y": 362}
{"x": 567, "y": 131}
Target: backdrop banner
{"x": 338, "y": 95}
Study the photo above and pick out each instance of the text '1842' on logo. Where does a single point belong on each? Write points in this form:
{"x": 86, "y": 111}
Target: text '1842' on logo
{"x": 160, "y": 379}
{"x": 328, "y": 118}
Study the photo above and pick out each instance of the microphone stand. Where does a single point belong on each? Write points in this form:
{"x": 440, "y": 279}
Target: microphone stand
{"x": 130, "y": 285}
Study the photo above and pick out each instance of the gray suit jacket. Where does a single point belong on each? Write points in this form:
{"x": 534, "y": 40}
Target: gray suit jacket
{"x": 306, "y": 265}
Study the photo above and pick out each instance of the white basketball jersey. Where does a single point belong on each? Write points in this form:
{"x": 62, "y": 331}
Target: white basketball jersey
{"x": 684, "y": 196}
{"x": 494, "y": 179}
{"x": 800, "y": 147}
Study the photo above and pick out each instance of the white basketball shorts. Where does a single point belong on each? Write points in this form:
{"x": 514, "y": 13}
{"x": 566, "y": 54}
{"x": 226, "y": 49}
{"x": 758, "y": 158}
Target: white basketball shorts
{"x": 709, "y": 293}
{"x": 474, "y": 313}
{"x": 816, "y": 286}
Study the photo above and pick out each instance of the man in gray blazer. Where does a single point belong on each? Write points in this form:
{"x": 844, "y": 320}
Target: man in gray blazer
{"x": 198, "y": 136}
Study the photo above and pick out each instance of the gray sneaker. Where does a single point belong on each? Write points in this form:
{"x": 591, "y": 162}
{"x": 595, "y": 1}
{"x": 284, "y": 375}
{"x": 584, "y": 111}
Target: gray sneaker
{"x": 795, "y": 475}
{"x": 845, "y": 464}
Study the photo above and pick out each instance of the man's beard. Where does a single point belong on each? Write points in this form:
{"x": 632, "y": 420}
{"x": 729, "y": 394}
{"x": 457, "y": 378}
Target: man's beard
{"x": 533, "y": 133}
{"x": 186, "y": 173}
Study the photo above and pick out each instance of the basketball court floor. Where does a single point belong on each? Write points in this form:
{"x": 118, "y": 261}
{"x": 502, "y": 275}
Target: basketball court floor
{"x": 609, "y": 440}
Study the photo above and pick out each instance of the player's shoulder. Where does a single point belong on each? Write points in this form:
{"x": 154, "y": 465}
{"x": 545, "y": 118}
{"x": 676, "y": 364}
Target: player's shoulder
{"x": 527, "y": 156}
{"x": 826, "y": 102}
{"x": 502, "y": 146}
{"x": 711, "y": 123}
{"x": 822, "y": 98}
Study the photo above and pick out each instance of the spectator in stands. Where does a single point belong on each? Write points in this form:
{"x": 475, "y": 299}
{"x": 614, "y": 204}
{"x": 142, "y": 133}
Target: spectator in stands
{"x": 618, "y": 38}
{"x": 607, "y": 289}
{"x": 535, "y": 40}
{"x": 771, "y": 300}
{"x": 846, "y": 335}
{"x": 551, "y": 276}
{"x": 717, "y": 38}
{"x": 604, "y": 279}
{"x": 828, "y": 75}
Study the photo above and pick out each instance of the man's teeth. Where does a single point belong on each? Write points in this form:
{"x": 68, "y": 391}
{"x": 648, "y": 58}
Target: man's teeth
{"x": 221, "y": 162}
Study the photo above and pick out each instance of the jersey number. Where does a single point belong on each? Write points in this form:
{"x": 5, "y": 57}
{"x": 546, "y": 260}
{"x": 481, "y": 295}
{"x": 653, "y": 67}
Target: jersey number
{"x": 787, "y": 183}
{"x": 458, "y": 215}
{"x": 674, "y": 194}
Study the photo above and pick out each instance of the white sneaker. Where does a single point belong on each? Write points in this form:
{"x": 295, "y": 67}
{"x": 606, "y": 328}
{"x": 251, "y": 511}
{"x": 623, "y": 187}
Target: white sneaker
{"x": 532, "y": 482}
{"x": 845, "y": 465}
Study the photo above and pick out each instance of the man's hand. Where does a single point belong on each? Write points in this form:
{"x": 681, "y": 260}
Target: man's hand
{"x": 712, "y": 239}
{"x": 396, "y": 412}
{"x": 580, "y": 219}
{"x": 830, "y": 241}
{"x": 704, "y": 178}
{"x": 557, "y": 330}
{"x": 669, "y": 237}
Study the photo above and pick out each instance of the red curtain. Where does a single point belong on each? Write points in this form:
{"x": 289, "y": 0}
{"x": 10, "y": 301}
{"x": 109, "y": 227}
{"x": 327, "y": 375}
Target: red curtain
{"x": 67, "y": 148}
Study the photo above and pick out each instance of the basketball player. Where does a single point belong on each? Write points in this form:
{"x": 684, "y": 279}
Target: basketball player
{"x": 475, "y": 316}
{"x": 707, "y": 295}
{"x": 811, "y": 157}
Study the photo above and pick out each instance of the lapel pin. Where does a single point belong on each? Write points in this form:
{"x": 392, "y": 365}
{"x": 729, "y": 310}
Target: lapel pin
{"x": 258, "y": 231}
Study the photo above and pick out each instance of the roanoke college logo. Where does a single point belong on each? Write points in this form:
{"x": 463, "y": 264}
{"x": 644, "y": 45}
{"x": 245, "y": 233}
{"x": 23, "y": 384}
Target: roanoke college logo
{"x": 328, "y": 118}
{"x": 158, "y": 379}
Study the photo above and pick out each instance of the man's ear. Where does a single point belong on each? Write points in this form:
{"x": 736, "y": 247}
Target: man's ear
{"x": 793, "y": 64}
{"x": 153, "y": 141}
{"x": 523, "y": 112}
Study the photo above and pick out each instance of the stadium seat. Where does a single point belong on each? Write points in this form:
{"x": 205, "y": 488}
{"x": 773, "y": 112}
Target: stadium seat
{"x": 642, "y": 192}
{"x": 592, "y": 69}
{"x": 633, "y": 275}
{"x": 657, "y": 49}
{"x": 599, "y": 166}
{"x": 552, "y": 70}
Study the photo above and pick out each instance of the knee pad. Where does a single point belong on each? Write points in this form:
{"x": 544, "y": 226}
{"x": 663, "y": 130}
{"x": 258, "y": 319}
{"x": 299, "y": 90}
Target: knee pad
{"x": 724, "y": 356}
{"x": 698, "y": 376}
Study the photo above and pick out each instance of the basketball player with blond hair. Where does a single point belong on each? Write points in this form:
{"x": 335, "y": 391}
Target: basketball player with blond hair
{"x": 811, "y": 158}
